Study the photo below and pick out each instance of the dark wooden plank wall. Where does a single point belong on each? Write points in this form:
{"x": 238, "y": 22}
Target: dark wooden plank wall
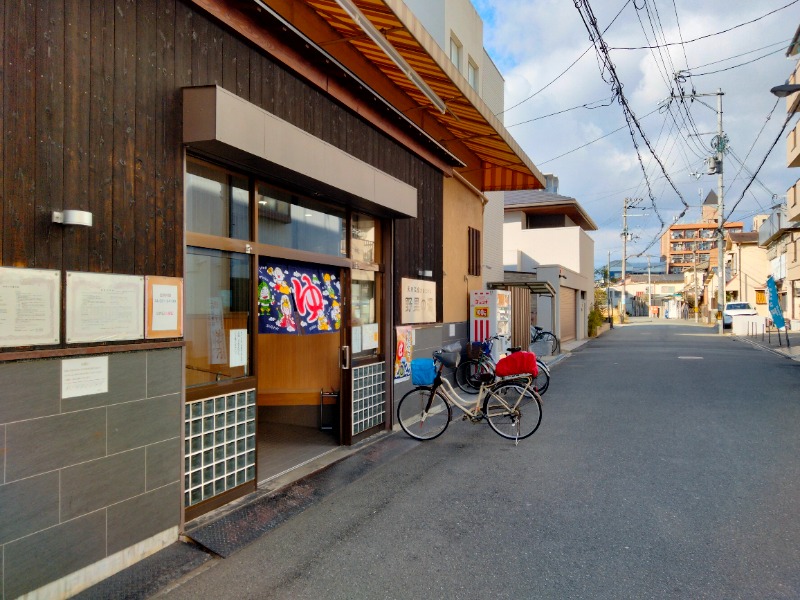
{"x": 91, "y": 120}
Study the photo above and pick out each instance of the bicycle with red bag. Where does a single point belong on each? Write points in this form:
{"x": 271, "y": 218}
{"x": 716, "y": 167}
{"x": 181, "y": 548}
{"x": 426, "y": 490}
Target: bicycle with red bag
{"x": 511, "y": 405}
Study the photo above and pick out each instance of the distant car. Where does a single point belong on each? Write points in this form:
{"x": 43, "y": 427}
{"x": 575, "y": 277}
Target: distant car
{"x": 733, "y": 309}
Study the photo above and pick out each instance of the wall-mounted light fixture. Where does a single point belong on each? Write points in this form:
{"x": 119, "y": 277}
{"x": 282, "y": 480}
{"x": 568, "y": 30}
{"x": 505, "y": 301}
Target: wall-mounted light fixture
{"x": 73, "y": 217}
{"x": 376, "y": 36}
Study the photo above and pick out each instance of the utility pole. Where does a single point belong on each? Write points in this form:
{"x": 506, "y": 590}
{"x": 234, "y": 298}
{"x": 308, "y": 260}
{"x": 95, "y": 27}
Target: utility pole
{"x": 629, "y": 203}
{"x": 649, "y": 285}
{"x": 608, "y": 292}
{"x": 720, "y": 143}
{"x": 696, "y": 299}
{"x": 622, "y": 302}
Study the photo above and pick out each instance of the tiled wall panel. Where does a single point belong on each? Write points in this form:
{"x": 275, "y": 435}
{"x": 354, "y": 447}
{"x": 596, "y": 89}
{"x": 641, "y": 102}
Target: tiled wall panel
{"x": 135, "y": 424}
{"x": 28, "y": 505}
{"x": 82, "y": 478}
{"x": 95, "y": 484}
{"x": 30, "y": 390}
{"x": 41, "y": 445}
{"x": 143, "y": 516}
{"x": 48, "y": 555}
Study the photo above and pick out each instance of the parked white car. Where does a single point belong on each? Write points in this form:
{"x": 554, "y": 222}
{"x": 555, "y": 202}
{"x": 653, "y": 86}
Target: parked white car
{"x": 733, "y": 309}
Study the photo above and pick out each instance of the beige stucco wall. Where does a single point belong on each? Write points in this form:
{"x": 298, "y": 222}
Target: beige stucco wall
{"x": 753, "y": 269}
{"x": 462, "y": 209}
{"x": 569, "y": 247}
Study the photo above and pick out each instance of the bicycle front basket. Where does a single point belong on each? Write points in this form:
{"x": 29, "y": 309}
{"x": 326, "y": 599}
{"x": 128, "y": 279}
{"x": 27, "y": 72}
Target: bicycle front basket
{"x": 517, "y": 363}
{"x": 423, "y": 371}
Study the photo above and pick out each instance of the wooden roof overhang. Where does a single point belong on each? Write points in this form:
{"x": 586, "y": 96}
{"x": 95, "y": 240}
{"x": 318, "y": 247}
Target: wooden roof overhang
{"x": 467, "y": 122}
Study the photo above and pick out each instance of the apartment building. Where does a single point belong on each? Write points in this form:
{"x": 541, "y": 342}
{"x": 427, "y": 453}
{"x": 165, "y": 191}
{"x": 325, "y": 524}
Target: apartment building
{"x": 684, "y": 245}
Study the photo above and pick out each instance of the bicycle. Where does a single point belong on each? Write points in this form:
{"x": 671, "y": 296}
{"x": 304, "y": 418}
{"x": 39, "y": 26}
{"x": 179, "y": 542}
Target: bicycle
{"x": 512, "y": 407}
{"x": 549, "y": 338}
{"x": 468, "y": 374}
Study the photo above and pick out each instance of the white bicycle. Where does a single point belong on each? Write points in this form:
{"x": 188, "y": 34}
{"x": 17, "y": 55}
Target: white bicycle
{"x": 512, "y": 407}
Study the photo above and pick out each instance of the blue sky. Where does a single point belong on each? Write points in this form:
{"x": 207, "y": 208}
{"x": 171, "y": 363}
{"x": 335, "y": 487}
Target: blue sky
{"x": 533, "y": 42}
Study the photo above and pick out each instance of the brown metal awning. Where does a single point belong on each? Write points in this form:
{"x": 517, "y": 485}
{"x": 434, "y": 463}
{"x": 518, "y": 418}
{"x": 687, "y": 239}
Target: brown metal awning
{"x": 503, "y": 164}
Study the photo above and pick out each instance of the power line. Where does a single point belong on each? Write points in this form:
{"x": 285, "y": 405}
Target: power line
{"x": 557, "y": 77}
{"x": 739, "y": 65}
{"x": 586, "y": 105}
{"x": 592, "y": 142}
{"x": 703, "y": 37}
{"x": 608, "y": 67}
{"x": 716, "y": 62}
{"x": 752, "y": 179}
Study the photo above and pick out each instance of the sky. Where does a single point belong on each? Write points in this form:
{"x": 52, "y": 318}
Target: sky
{"x": 534, "y": 42}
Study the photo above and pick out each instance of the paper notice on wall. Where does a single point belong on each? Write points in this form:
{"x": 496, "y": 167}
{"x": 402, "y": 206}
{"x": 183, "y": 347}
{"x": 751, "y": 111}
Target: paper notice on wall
{"x": 165, "y": 307}
{"x": 84, "y": 376}
{"x": 356, "y": 339}
{"x": 217, "y": 348}
{"x": 370, "y": 334}
{"x": 238, "y": 346}
{"x": 30, "y": 307}
{"x": 103, "y": 308}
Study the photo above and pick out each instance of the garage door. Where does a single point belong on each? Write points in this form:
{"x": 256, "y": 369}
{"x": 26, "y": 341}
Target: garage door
{"x": 566, "y": 305}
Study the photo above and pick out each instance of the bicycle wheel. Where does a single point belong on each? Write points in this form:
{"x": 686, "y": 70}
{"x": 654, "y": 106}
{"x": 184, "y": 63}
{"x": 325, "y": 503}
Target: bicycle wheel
{"x": 542, "y": 381}
{"x": 468, "y": 375}
{"x": 513, "y": 411}
{"x": 423, "y": 414}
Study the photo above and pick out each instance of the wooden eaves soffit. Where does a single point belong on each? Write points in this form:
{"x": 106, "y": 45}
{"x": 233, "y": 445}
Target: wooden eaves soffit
{"x": 467, "y": 129}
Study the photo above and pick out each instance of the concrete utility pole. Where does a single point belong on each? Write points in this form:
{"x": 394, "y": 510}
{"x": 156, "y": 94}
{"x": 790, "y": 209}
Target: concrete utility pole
{"x": 696, "y": 299}
{"x": 649, "y": 295}
{"x": 622, "y": 302}
{"x": 629, "y": 203}
{"x": 608, "y": 290}
{"x": 720, "y": 144}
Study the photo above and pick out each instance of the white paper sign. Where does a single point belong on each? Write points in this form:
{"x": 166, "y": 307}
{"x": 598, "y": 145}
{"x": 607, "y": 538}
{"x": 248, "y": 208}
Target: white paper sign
{"x": 217, "y": 350}
{"x": 103, "y": 308}
{"x": 238, "y": 347}
{"x": 84, "y": 376}
{"x": 418, "y": 301}
{"x": 369, "y": 333}
{"x": 30, "y": 307}
{"x": 356, "y": 339}
{"x": 165, "y": 307}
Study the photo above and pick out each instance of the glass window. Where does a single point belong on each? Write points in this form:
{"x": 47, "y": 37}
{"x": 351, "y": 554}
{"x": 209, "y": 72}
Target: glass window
{"x": 365, "y": 312}
{"x": 455, "y": 52}
{"x": 218, "y": 302}
{"x": 365, "y": 236}
{"x": 217, "y": 202}
{"x": 472, "y": 75}
{"x": 292, "y": 221}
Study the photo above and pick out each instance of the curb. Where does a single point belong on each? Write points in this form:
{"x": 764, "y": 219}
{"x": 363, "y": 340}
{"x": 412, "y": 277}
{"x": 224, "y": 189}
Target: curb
{"x": 775, "y": 351}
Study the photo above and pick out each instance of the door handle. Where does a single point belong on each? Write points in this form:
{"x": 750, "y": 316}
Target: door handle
{"x": 345, "y": 357}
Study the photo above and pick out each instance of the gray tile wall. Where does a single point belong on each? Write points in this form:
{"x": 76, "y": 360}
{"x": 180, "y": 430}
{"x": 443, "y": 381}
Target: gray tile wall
{"x": 82, "y": 478}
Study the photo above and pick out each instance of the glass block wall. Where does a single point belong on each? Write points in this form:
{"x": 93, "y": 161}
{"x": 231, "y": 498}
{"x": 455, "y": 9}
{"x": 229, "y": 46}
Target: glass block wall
{"x": 220, "y": 446}
{"x": 369, "y": 396}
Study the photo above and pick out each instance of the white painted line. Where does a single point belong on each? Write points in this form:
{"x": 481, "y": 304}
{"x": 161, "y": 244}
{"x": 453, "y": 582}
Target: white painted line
{"x": 690, "y": 357}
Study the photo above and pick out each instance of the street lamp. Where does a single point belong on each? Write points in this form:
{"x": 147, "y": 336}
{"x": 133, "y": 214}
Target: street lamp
{"x": 787, "y": 89}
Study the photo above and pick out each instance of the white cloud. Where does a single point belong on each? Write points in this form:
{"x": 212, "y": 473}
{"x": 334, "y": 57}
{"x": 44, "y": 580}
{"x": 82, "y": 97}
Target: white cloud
{"x": 533, "y": 41}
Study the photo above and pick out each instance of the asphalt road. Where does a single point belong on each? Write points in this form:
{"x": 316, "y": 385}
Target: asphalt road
{"x": 666, "y": 466}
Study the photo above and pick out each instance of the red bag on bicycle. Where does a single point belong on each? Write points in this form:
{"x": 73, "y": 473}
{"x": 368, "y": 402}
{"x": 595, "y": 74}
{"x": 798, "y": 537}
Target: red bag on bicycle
{"x": 517, "y": 363}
